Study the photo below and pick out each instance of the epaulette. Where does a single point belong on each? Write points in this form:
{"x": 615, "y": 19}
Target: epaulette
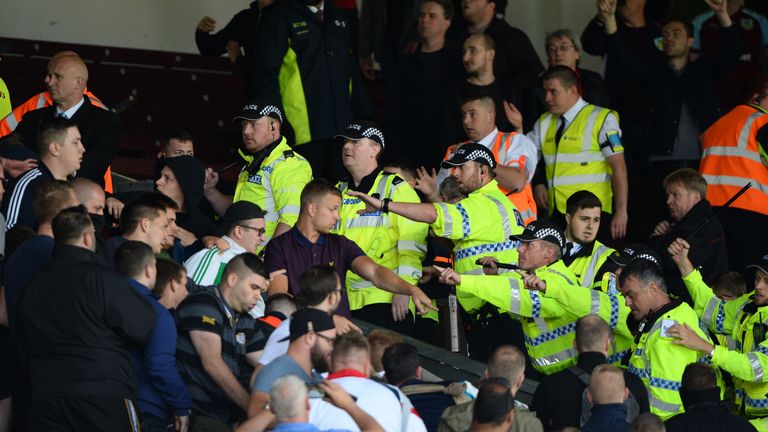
{"x": 288, "y": 154}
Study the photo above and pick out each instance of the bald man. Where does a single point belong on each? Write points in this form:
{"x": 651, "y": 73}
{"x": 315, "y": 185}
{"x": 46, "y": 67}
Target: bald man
{"x": 66, "y": 81}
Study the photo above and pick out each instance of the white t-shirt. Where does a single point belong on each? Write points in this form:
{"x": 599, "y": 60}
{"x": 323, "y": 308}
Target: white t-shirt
{"x": 274, "y": 347}
{"x": 376, "y": 399}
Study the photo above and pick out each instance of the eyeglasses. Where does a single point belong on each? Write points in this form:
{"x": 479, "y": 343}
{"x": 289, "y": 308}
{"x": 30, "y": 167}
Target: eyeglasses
{"x": 554, "y": 49}
{"x": 260, "y": 231}
{"x": 329, "y": 339}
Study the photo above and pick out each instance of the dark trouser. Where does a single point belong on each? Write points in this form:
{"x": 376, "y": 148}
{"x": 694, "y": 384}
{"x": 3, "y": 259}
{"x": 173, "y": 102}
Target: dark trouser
{"x": 325, "y": 158}
{"x": 603, "y": 234}
{"x": 742, "y": 230}
{"x": 152, "y": 423}
{"x": 200, "y": 423}
{"x": 84, "y": 413}
{"x": 380, "y": 314}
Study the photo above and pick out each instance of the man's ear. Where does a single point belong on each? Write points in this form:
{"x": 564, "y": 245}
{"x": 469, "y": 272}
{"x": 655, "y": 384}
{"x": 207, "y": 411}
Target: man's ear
{"x": 589, "y": 396}
{"x": 54, "y": 148}
{"x": 418, "y": 372}
{"x": 626, "y": 393}
{"x": 144, "y": 224}
{"x": 232, "y": 279}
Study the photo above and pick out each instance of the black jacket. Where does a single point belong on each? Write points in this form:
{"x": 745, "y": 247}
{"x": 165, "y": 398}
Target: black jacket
{"x": 78, "y": 320}
{"x": 99, "y": 129}
{"x": 709, "y": 417}
{"x": 532, "y": 104}
{"x": 516, "y": 61}
{"x": 708, "y": 251}
{"x": 327, "y": 69}
{"x": 242, "y": 28}
{"x": 557, "y": 401}
{"x": 695, "y": 86}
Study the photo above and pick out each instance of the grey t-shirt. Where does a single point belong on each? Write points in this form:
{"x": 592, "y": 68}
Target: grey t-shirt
{"x": 280, "y": 367}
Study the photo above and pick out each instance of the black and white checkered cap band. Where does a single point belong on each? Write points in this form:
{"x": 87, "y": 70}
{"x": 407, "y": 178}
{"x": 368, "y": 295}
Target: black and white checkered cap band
{"x": 549, "y": 232}
{"x": 371, "y": 131}
{"x": 647, "y": 257}
{"x": 479, "y": 154}
{"x": 265, "y": 110}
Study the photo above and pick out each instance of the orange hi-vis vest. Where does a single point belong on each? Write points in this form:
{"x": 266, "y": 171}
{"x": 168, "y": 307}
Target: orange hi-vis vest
{"x": 523, "y": 200}
{"x": 42, "y": 100}
{"x": 732, "y": 157}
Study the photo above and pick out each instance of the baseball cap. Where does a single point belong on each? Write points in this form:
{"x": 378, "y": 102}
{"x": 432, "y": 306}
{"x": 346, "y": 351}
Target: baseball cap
{"x": 240, "y": 211}
{"x": 471, "y": 152}
{"x": 634, "y": 252}
{"x": 359, "y": 130}
{"x": 308, "y": 320}
{"x": 542, "y": 230}
{"x": 258, "y": 108}
{"x": 762, "y": 264}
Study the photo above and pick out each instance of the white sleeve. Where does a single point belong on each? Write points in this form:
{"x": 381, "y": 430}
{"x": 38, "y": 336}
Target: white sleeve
{"x": 274, "y": 348}
{"x": 522, "y": 154}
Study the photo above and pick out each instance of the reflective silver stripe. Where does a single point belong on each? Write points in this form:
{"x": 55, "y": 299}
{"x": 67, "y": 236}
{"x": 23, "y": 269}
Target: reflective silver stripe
{"x": 553, "y": 359}
{"x": 289, "y": 209}
{"x": 757, "y": 368}
{"x": 735, "y": 181}
{"x": 574, "y": 157}
{"x": 745, "y": 131}
{"x": 570, "y": 282}
{"x": 661, "y": 405}
{"x": 580, "y": 179}
{"x": 361, "y": 285}
{"x": 595, "y": 308}
{"x": 448, "y": 219}
{"x": 364, "y": 221}
{"x": 731, "y": 151}
{"x": 41, "y": 102}
{"x": 514, "y": 291}
{"x": 271, "y": 215}
{"x": 709, "y": 311}
{"x": 586, "y": 145}
{"x": 477, "y": 271}
{"x": 504, "y": 216}
{"x": 527, "y": 214}
{"x": 411, "y": 245}
{"x": 11, "y": 121}
{"x": 589, "y": 275}
{"x": 541, "y": 324}
{"x": 405, "y": 270}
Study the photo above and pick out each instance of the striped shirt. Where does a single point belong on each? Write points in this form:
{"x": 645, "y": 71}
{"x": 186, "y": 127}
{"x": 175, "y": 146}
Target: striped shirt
{"x": 17, "y": 206}
{"x": 207, "y": 265}
{"x": 207, "y": 311}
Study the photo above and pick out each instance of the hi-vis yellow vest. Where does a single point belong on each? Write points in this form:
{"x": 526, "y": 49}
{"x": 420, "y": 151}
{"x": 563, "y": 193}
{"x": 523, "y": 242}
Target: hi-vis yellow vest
{"x": 479, "y": 225}
{"x": 275, "y": 187}
{"x": 390, "y": 240}
{"x": 576, "y": 163}
{"x": 585, "y": 267}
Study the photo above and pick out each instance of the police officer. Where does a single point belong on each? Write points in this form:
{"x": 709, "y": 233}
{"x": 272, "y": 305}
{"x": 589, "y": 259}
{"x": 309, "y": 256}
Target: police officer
{"x": 515, "y": 155}
{"x": 657, "y": 358}
{"x": 389, "y": 239}
{"x": 584, "y": 254}
{"x": 548, "y": 326}
{"x": 581, "y": 150}
{"x": 273, "y": 175}
{"x": 479, "y": 225}
{"x": 745, "y": 320}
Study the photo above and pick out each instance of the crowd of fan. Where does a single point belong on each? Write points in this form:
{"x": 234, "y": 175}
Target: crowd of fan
{"x": 504, "y": 197}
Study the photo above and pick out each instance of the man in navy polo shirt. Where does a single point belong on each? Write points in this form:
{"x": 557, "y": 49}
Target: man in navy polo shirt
{"x": 309, "y": 243}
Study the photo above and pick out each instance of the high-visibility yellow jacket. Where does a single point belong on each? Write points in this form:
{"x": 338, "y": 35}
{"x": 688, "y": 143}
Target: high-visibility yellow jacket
{"x": 747, "y": 324}
{"x": 586, "y": 267}
{"x": 390, "y": 240}
{"x": 660, "y": 363}
{"x": 548, "y": 326}
{"x": 275, "y": 185}
{"x": 577, "y": 162}
{"x": 479, "y": 225}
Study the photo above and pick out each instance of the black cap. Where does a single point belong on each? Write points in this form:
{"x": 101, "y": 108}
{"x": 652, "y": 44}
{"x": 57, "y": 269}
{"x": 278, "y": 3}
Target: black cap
{"x": 308, "y": 320}
{"x": 258, "y": 108}
{"x": 635, "y": 252}
{"x": 359, "y": 130}
{"x": 542, "y": 230}
{"x": 471, "y": 152}
{"x": 760, "y": 265}
{"x": 240, "y": 211}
